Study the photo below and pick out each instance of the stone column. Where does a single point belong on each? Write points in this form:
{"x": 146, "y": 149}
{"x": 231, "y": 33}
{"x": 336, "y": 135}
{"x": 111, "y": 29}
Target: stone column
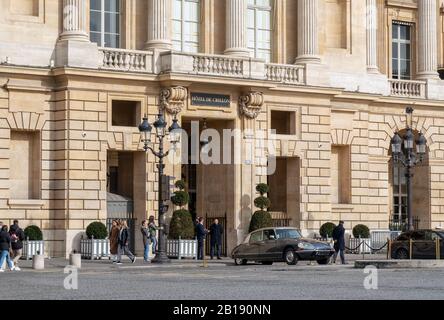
{"x": 159, "y": 36}
{"x": 372, "y": 27}
{"x": 427, "y": 40}
{"x": 308, "y": 46}
{"x": 236, "y": 28}
{"x": 74, "y": 20}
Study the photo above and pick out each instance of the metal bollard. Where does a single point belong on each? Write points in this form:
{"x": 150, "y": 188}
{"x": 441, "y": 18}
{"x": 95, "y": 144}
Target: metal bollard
{"x": 438, "y": 249}
{"x": 38, "y": 262}
{"x": 411, "y": 248}
{"x": 205, "y": 264}
{"x": 389, "y": 249}
{"x": 75, "y": 260}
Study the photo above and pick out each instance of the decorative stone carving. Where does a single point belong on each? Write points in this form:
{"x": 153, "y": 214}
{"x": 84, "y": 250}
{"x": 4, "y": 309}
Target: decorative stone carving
{"x": 250, "y": 104}
{"x": 173, "y": 99}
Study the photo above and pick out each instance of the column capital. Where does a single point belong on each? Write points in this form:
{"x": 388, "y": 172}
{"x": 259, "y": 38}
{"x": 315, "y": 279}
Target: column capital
{"x": 173, "y": 99}
{"x": 251, "y": 103}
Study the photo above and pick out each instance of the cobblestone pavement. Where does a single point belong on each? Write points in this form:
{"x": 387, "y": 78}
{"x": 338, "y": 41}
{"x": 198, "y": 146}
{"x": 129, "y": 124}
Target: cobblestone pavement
{"x": 217, "y": 280}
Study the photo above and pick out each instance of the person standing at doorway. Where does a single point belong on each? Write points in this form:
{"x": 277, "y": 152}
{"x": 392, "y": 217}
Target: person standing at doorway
{"x": 201, "y": 232}
{"x": 153, "y": 233}
{"x": 339, "y": 241}
{"x": 124, "y": 243}
{"x": 146, "y": 241}
{"x": 114, "y": 240}
{"x": 5, "y": 246}
{"x": 17, "y": 236}
{"x": 216, "y": 238}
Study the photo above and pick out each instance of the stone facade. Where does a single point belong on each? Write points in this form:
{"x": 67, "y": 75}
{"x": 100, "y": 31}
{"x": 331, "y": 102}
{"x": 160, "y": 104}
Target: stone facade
{"x": 335, "y": 88}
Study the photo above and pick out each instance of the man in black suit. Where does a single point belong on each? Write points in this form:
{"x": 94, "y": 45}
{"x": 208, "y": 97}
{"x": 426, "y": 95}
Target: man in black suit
{"x": 200, "y": 233}
{"x": 339, "y": 241}
{"x": 216, "y": 238}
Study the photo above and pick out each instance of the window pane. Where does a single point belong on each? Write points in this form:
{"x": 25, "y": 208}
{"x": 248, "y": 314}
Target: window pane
{"x": 395, "y": 28}
{"x": 405, "y": 68}
{"x": 263, "y": 19}
{"x": 177, "y": 9}
{"x": 394, "y": 50}
{"x": 405, "y": 51}
{"x": 191, "y": 11}
{"x": 95, "y": 23}
{"x": 112, "y": 24}
{"x": 112, "y": 41}
{"x": 251, "y": 39}
{"x": 112, "y": 5}
{"x": 250, "y": 16}
{"x": 95, "y": 4}
{"x": 395, "y": 71}
{"x": 263, "y": 3}
{"x": 177, "y": 45}
{"x": 405, "y": 32}
{"x": 177, "y": 30}
{"x": 95, "y": 37}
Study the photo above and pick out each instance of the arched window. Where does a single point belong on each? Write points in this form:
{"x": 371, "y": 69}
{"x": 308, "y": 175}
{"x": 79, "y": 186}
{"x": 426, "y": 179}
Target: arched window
{"x": 186, "y": 25}
{"x": 260, "y": 28}
{"x": 105, "y": 23}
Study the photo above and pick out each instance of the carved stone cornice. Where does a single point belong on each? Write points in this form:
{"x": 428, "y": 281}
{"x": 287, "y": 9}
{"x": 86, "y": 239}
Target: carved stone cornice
{"x": 250, "y": 104}
{"x": 173, "y": 99}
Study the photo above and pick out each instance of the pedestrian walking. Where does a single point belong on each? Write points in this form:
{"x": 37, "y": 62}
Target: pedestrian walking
{"x": 201, "y": 232}
{"x": 339, "y": 242}
{"x": 153, "y": 233}
{"x": 124, "y": 243}
{"x": 5, "y": 246}
{"x": 216, "y": 239}
{"x": 146, "y": 240}
{"x": 17, "y": 237}
{"x": 114, "y": 240}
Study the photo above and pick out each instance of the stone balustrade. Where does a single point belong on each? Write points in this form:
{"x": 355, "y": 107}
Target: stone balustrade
{"x": 284, "y": 73}
{"x": 408, "y": 88}
{"x": 126, "y": 60}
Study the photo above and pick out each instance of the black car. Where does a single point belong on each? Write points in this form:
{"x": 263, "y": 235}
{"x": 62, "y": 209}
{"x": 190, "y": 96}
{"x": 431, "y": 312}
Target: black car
{"x": 423, "y": 244}
{"x": 270, "y": 245}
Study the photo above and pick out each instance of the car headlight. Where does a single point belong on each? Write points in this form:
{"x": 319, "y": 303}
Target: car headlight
{"x": 305, "y": 246}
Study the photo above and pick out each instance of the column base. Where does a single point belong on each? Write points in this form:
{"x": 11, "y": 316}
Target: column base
{"x": 160, "y": 258}
{"x": 158, "y": 44}
{"x": 426, "y": 75}
{"x": 373, "y": 70}
{"x": 238, "y": 52}
{"x": 304, "y": 59}
{"x": 73, "y": 53}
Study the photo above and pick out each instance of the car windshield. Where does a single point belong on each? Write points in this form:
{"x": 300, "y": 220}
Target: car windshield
{"x": 441, "y": 234}
{"x": 288, "y": 234}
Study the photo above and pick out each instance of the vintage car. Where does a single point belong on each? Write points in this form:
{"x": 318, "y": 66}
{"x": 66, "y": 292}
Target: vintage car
{"x": 423, "y": 244}
{"x": 270, "y": 245}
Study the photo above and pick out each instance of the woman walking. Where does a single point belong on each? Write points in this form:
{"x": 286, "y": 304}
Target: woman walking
{"x": 146, "y": 241}
{"x": 123, "y": 243}
{"x": 5, "y": 245}
{"x": 114, "y": 240}
{"x": 152, "y": 228}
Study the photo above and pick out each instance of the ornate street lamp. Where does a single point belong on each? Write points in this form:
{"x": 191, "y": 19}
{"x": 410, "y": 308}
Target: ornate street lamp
{"x": 408, "y": 158}
{"x": 174, "y": 132}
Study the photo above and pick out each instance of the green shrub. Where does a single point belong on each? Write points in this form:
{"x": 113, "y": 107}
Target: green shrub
{"x": 96, "y": 230}
{"x": 260, "y": 219}
{"x": 33, "y": 233}
{"x": 180, "y": 198}
{"x": 181, "y": 225}
{"x": 180, "y": 184}
{"x": 361, "y": 231}
{"x": 262, "y": 202}
{"x": 262, "y": 188}
{"x": 326, "y": 230}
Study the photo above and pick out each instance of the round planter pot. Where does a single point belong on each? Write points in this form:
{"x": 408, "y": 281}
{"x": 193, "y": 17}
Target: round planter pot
{"x": 75, "y": 260}
{"x": 38, "y": 262}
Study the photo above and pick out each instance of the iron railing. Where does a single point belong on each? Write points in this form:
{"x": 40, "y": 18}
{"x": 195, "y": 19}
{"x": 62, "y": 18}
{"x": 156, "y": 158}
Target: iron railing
{"x": 397, "y": 224}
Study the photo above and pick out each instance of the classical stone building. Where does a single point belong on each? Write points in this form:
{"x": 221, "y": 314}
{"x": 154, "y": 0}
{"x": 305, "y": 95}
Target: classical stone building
{"x": 332, "y": 77}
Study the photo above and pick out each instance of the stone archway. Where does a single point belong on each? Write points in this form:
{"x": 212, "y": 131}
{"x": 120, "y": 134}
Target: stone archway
{"x": 420, "y": 192}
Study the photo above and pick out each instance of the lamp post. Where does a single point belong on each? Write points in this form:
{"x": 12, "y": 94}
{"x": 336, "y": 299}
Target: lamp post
{"x": 403, "y": 153}
{"x": 174, "y": 132}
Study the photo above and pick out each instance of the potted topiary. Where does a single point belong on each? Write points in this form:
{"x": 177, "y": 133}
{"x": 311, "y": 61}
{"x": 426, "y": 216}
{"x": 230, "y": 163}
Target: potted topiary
{"x": 181, "y": 242}
{"x": 326, "y": 230}
{"x": 33, "y": 244}
{"x": 261, "y": 218}
{"x": 361, "y": 239}
{"x": 96, "y": 245}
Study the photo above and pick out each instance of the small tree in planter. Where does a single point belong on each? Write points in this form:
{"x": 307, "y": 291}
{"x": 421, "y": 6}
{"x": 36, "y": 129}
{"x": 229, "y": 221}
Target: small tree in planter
{"x": 261, "y": 218}
{"x": 361, "y": 233}
{"x": 33, "y": 244}
{"x": 181, "y": 232}
{"x": 97, "y": 245}
{"x": 326, "y": 230}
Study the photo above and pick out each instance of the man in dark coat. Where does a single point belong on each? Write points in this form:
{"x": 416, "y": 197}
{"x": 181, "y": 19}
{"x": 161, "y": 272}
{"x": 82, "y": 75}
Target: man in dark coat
{"x": 17, "y": 236}
{"x": 200, "y": 233}
{"x": 216, "y": 238}
{"x": 339, "y": 242}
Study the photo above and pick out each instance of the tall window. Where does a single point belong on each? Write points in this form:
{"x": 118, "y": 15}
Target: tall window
{"x": 186, "y": 25}
{"x": 105, "y": 23}
{"x": 401, "y": 51}
{"x": 259, "y": 28}
{"x": 340, "y": 174}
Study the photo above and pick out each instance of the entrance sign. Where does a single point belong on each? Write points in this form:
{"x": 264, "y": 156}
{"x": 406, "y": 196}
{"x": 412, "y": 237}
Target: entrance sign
{"x": 210, "y": 100}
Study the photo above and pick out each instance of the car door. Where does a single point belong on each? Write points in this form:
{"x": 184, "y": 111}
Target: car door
{"x": 420, "y": 245}
{"x": 430, "y": 246}
{"x": 251, "y": 251}
{"x": 267, "y": 247}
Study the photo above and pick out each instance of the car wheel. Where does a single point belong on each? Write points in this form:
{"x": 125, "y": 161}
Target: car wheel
{"x": 402, "y": 254}
{"x": 240, "y": 261}
{"x": 267, "y": 263}
{"x": 291, "y": 258}
{"x": 324, "y": 261}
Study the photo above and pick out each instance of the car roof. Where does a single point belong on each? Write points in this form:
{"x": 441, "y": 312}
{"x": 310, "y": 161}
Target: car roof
{"x": 275, "y": 228}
